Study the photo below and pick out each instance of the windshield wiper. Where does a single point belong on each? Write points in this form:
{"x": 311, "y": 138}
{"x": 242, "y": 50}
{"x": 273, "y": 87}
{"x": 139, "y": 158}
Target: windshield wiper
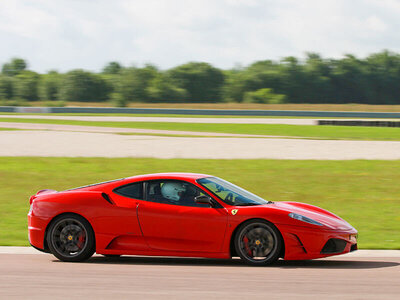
{"x": 252, "y": 203}
{"x": 247, "y": 204}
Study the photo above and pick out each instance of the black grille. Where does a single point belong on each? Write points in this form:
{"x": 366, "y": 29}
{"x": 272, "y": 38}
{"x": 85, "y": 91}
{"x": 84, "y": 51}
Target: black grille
{"x": 334, "y": 246}
{"x": 353, "y": 247}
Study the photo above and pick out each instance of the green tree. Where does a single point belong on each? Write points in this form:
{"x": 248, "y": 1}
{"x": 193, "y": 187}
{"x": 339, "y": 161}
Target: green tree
{"x": 312, "y": 79}
{"x": 202, "y": 81}
{"x": 118, "y": 100}
{"x": 80, "y": 85}
{"x": 259, "y": 75}
{"x": 6, "y": 87}
{"x": 264, "y": 96}
{"x": 134, "y": 82}
{"x": 163, "y": 89}
{"x": 14, "y": 67}
{"x": 349, "y": 80}
{"x": 49, "y": 86}
{"x": 112, "y": 68}
{"x": 26, "y": 85}
{"x": 234, "y": 86}
{"x": 318, "y": 85}
{"x": 293, "y": 79}
{"x": 383, "y": 76}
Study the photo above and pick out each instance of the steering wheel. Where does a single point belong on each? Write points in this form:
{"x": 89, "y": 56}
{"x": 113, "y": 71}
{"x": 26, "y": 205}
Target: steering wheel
{"x": 229, "y": 197}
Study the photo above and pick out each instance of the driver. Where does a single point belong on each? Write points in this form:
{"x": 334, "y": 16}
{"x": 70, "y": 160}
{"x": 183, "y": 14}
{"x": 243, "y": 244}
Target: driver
{"x": 173, "y": 190}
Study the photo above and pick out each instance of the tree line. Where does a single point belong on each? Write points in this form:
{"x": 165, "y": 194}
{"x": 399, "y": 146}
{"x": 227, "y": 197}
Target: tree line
{"x": 314, "y": 79}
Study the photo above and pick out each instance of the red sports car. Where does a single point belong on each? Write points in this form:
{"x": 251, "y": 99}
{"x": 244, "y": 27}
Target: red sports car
{"x": 182, "y": 214}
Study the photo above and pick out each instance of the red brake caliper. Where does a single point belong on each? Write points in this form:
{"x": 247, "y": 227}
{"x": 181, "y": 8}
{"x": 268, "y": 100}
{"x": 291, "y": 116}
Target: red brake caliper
{"x": 81, "y": 240}
{"x": 246, "y": 246}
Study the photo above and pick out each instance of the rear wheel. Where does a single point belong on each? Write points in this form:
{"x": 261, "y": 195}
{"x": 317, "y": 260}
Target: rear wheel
{"x": 258, "y": 242}
{"x": 71, "y": 238}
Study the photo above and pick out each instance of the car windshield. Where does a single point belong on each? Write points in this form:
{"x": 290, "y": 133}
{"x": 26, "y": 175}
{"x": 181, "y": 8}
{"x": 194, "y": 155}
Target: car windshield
{"x": 230, "y": 193}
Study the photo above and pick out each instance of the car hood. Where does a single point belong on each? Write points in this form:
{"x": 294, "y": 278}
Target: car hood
{"x": 318, "y": 214}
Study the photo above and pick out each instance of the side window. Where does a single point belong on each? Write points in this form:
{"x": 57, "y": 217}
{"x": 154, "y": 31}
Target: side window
{"x": 173, "y": 192}
{"x": 133, "y": 190}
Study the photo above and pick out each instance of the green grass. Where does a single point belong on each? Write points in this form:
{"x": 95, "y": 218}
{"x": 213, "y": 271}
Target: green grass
{"x": 305, "y": 131}
{"x": 8, "y": 129}
{"x": 365, "y": 193}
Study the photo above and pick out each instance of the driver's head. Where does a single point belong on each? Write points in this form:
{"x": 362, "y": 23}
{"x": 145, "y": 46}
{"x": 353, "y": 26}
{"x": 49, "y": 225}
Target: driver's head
{"x": 173, "y": 190}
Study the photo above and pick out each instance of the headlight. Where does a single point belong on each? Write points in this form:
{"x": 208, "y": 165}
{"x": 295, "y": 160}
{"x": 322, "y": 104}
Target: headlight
{"x": 304, "y": 219}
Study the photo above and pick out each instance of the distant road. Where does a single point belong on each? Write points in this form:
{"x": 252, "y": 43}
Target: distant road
{"x": 170, "y": 119}
{"x": 288, "y": 121}
{"x": 90, "y": 144}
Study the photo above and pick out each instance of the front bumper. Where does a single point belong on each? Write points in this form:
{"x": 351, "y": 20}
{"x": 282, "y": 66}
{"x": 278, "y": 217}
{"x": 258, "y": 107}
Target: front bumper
{"x": 307, "y": 243}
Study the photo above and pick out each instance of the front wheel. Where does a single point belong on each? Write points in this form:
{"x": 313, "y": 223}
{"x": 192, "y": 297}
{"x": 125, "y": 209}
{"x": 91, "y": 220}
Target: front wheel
{"x": 71, "y": 238}
{"x": 258, "y": 242}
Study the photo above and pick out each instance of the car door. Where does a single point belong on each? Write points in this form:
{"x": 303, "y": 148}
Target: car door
{"x": 180, "y": 224}
{"x": 122, "y": 223}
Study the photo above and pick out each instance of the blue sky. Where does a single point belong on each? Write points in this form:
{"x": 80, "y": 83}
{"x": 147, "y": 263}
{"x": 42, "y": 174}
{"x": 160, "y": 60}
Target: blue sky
{"x": 63, "y": 35}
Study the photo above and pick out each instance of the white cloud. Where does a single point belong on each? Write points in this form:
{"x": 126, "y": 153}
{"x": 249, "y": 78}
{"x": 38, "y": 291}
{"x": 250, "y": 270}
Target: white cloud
{"x": 376, "y": 24}
{"x": 86, "y": 33}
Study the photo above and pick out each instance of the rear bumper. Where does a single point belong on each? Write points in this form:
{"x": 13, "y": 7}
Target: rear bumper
{"x": 304, "y": 243}
{"x": 41, "y": 250}
{"x": 36, "y": 232}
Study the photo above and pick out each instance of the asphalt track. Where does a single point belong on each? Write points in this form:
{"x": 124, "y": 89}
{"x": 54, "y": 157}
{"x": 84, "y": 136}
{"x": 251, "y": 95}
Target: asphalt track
{"x": 57, "y": 140}
{"x": 171, "y": 119}
{"x": 90, "y": 144}
{"x": 350, "y": 276}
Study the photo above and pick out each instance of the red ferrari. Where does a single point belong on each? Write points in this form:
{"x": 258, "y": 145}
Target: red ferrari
{"x": 182, "y": 214}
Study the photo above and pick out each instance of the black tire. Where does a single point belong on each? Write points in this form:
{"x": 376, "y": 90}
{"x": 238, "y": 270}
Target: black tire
{"x": 258, "y": 242}
{"x": 71, "y": 238}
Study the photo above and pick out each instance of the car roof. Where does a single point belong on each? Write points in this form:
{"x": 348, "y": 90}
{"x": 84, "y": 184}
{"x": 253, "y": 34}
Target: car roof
{"x": 193, "y": 176}
{"x": 155, "y": 176}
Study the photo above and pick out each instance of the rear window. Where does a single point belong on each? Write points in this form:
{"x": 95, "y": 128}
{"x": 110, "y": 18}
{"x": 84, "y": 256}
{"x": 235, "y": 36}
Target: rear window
{"x": 95, "y": 184}
{"x": 133, "y": 190}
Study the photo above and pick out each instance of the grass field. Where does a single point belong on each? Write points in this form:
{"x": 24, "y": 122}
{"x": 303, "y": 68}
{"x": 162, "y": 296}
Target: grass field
{"x": 6, "y": 129}
{"x": 287, "y": 106}
{"x": 304, "y": 131}
{"x": 365, "y": 193}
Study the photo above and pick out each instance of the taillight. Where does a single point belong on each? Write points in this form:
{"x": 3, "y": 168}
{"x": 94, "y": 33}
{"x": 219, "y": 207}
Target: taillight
{"x": 31, "y": 208}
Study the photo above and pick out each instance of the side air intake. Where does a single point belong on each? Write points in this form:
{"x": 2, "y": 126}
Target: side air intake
{"x": 107, "y": 198}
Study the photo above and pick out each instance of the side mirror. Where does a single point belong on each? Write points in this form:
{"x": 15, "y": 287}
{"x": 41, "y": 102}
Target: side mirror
{"x": 203, "y": 199}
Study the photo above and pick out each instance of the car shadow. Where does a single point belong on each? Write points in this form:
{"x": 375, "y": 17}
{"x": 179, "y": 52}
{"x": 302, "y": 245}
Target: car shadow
{"x": 286, "y": 264}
